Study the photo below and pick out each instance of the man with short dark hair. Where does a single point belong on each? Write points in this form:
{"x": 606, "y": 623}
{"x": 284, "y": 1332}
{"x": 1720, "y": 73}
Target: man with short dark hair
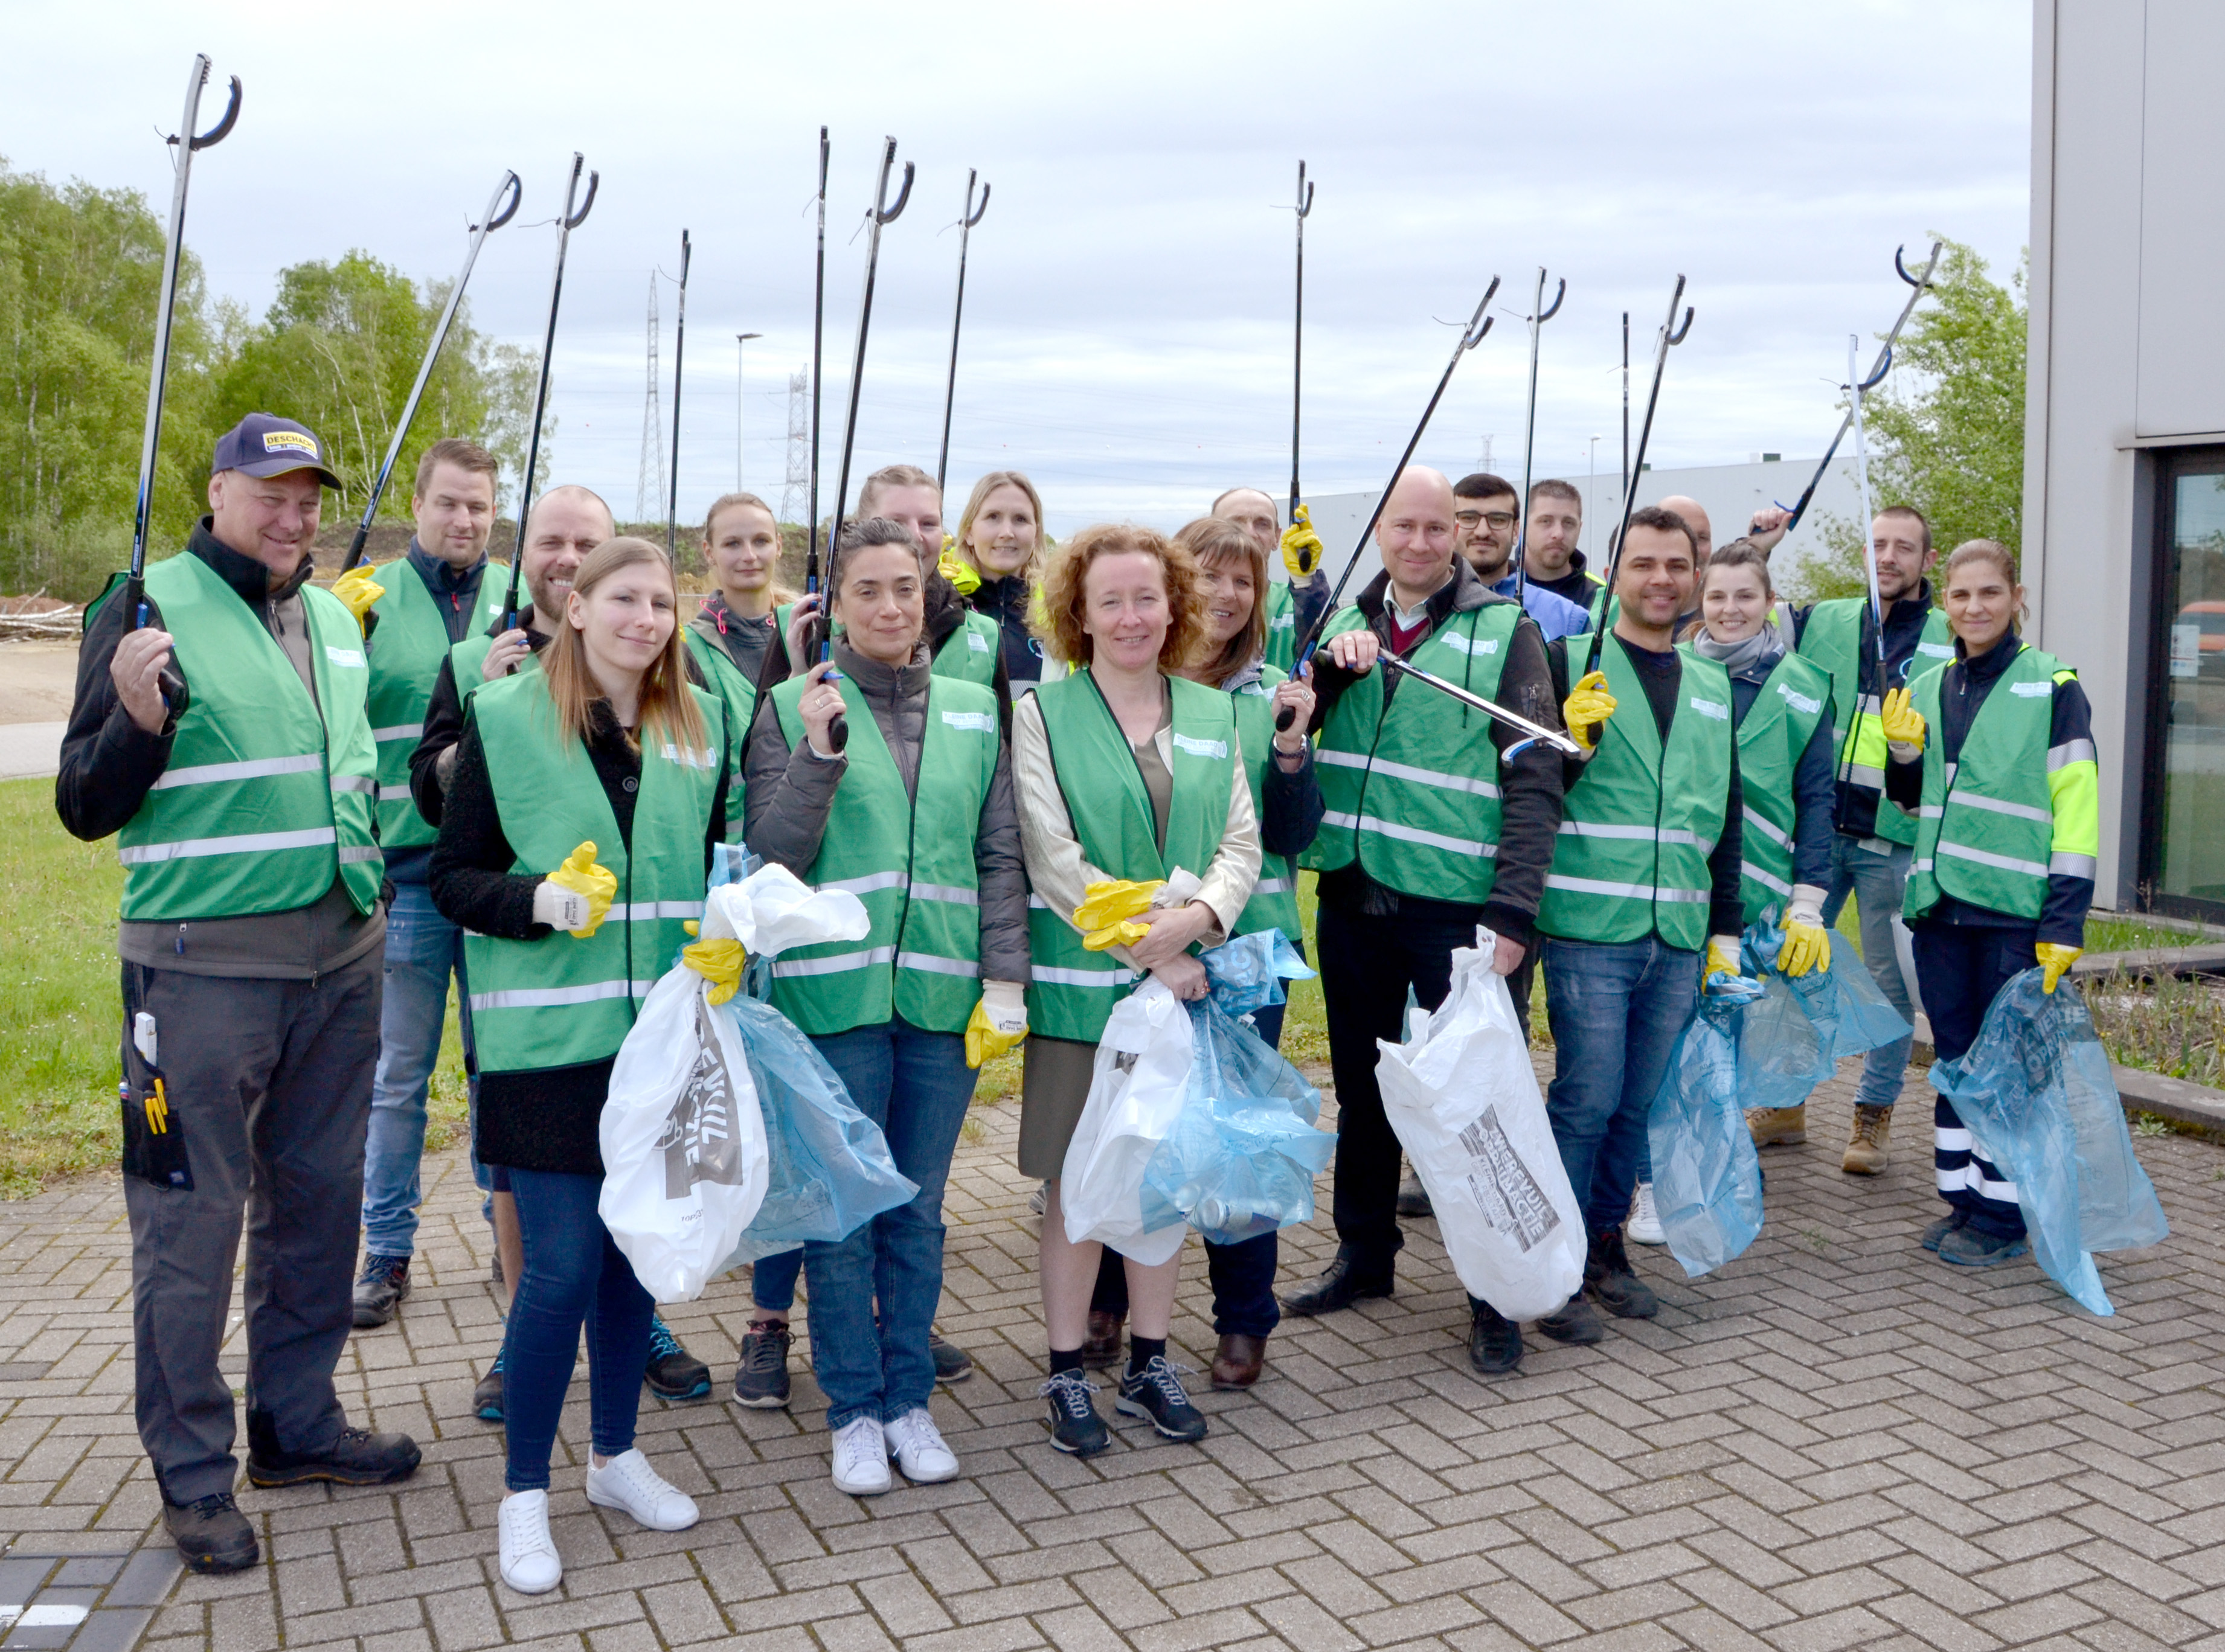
{"x": 221, "y": 731}
{"x": 1550, "y": 558}
{"x": 1486, "y": 523}
{"x": 429, "y": 599}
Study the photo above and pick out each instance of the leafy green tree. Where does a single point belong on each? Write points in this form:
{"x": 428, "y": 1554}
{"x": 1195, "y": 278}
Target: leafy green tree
{"x": 1946, "y": 432}
{"x": 80, "y": 273}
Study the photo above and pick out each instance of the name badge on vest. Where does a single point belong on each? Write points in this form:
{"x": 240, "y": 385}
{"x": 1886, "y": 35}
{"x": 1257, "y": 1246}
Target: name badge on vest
{"x": 976, "y": 642}
{"x": 1480, "y": 645}
{"x": 351, "y": 658}
{"x": 2031, "y": 690}
{"x": 1799, "y": 702}
{"x": 1937, "y": 650}
{"x": 1713, "y": 708}
{"x": 1217, "y": 750}
{"x": 979, "y": 722}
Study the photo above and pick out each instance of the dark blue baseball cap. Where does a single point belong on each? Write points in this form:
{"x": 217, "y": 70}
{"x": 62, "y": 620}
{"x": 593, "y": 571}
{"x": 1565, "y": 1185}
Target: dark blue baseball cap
{"x": 263, "y": 444}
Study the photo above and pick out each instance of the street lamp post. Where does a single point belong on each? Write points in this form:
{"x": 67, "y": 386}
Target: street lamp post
{"x": 740, "y": 339}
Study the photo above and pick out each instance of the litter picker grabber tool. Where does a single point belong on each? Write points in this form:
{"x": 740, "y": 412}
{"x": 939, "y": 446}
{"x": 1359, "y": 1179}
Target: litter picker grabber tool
{"x": 679, "y": 346}
{"x": 1626, "y": 404}
{"x": 818, "y": 337}
{"x": 570, "y": 221}
{"x": 1919, "y": 285}
{"x": 966, "y": 220}
{"x": 1671, "y": 335}
{"x": 1298, "y": 336}
{"x": 1537, "y": 732}
{"x": 1471, "y": 336}
{"x": 1539, "y": 314}
{"x": 187, "y": 141}
{"x": 494, "y": 218}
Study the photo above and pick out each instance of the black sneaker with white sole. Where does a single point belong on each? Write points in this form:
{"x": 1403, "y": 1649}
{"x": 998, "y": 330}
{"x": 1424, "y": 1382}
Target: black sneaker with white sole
{"x": 1156, "y": 1392}
{"x": 1075, "y": 1428}
{"x": 672, "y": 1372}
{"x": 761, "y": 1381}
{"x": 952, "y": 1363}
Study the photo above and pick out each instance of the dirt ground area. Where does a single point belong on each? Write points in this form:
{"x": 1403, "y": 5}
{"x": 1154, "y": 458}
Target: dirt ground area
{"x": 37, "y": 680}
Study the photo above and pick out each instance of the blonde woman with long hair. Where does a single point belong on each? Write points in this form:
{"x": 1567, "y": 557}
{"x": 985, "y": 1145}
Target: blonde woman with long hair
{"x": 1000, "y": 543}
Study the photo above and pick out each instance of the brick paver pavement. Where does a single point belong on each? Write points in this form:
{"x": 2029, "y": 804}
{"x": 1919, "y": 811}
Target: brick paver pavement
{"x": 1837, "y": 1442}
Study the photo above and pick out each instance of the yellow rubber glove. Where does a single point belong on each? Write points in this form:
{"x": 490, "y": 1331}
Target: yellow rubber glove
{"x": 1807, "y": 947}
{"x": 718, "y": 962}
{"x": 999, "y": 1022}
{"x": 1106, "y": 906}
{"x": 582, "y": 874}
{"x": 1903, "y": 724}
{"x": 1302, "y": 546}
{"x": 954, "y": 568}
{"x": 1588, "y": 708}
{"x": 359, "y": 590}
{"x": 1722, "y": 956}
{"x": 2054, "y": 959}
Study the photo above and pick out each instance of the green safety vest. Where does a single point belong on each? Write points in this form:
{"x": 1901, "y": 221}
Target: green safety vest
{"x": 1415, "y": 796}
{"x": 910, "y": 859}
{"x": 1274, "y": 902}
{"x": 405, "y": 657}
{"x": 967, "y": 654}
{"x": 1779, "y": 724}
{"x": 2012, "y": 809}
{"x": 1282, "y": 648}
{"x": 1833, "y": 639}
{"x": 1075, "y": 989}
{"x": 267, "y": 796}
{"x": 468, "y": 659}
{"x": 562, "y": 1000}
{"x": 1637, "y": 827}
{"x": 740, "y": 696}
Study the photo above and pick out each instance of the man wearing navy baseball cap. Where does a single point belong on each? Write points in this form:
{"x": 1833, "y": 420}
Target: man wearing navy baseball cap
{"x": 251, "y": 945}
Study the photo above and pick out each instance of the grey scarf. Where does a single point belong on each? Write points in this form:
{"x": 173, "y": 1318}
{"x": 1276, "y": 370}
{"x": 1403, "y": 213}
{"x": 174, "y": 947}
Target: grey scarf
{"x": 1754, "y": 654}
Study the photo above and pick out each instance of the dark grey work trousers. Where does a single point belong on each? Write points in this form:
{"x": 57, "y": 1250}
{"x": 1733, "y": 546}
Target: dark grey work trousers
{"x": 265, "y": 1099}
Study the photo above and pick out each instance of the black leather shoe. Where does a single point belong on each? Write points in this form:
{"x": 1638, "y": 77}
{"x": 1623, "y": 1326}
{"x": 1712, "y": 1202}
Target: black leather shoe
{"x": 356, "y": 1458}
{"x": 1346, "y": 1280}
{"x": 1413, "y": 1199}
{"x": 1573, "y": 1323}
{"x": 1607, "y": 1275}
{"x": 380, "y": 1290}
{"x": 1494, "y": 1343}
{"x": 952, "y": 1363}
{"x": 211, "y": 1534}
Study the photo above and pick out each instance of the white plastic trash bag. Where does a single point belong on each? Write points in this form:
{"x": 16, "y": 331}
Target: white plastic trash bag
{"x": 1136, "y": 1094}
{"x": 683, "y": 1135}
{"x": 1462, "y": 1096}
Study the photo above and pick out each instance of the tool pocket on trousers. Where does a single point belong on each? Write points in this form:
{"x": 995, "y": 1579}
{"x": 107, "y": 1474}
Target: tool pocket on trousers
{"x": 153, "y": 1141}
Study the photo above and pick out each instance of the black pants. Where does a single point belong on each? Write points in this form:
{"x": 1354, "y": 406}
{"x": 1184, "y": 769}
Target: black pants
{"x": 1959, "y": 969}
{"x": 1368, "y": 964}
{"x": 264, "y": 1102}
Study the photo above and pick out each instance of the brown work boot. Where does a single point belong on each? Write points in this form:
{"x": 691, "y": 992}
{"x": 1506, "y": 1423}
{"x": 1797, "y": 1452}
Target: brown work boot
{"x": 1238, "y": 1364}
{"x": 1778, "y": 1126}
{"x": 1865, "y": 1147}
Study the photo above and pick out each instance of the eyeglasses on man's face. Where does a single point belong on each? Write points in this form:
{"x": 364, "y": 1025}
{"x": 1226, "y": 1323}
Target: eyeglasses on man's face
{"x": 1496, "y": 519}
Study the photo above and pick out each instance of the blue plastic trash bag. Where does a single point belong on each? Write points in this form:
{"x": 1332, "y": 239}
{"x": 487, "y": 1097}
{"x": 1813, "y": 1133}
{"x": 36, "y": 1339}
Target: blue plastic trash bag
{"x": 1707, "y": 1177}
{"x": 2036, "y": 1094}
{"x": 1241, "y": 1158}
{"x": 830, "y": 1171}
{"x": 1794, "y": 1038}
{"x": 1247, "y": 973}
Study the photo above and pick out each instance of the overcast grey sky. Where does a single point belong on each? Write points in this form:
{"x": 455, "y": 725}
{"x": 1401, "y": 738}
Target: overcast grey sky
{"x": 1128, "y": 298}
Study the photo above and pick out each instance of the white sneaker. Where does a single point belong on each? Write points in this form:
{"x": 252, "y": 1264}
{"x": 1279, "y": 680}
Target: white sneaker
{"x": 1644, "y": 1226}
{"x": 917, "y": 1445}
{"x": 628, "y": 1482}
{"x": 530, "y": 1564}
{"x": 861, "y": 1458}
{"x": 1039, "y": 1200}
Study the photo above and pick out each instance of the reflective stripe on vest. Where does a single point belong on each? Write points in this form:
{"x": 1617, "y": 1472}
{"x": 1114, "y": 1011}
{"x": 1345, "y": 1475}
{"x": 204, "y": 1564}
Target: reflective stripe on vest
{"x": 1786, "y": 712}
{"x": 564, "y": 999}
{"x": 1409, "y": 784}
{"x": 269, "y": 795}
{"x": 908, "y": 858}
{"x": 1984, "y": 832}
{"x": 1274, "y": 902}
{"x": 1074, "y": 989}
{"x": 1631, "y": 857}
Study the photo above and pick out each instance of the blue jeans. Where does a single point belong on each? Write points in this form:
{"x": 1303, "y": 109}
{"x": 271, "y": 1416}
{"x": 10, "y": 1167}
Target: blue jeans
{"x": 422, "y": 949}
{"x": 1616, "y": 1011}
{"x": 575, "y": 1275}
{"x": 916, "y": 1085}
{"x": 1877, "y": 882}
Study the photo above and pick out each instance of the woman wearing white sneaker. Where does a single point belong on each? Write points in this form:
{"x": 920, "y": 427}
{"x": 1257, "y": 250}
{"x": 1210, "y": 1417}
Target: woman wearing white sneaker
{"x": 594, "y": 782}
{"x": 911, "y": 808}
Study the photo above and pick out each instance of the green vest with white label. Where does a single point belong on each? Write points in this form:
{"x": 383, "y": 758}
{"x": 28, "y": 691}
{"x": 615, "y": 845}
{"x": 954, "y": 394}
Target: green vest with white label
{"x": 267, "y": 795}
{"x": 1833, "y": 639}
{"x": 1987, "y": 832}
{"x": 1778, "y": 727}
{"x": 1274, "y": 902}
{"x": 405, "y": 652}
{"x": 562, "y": 999}
{"x": 910, "y": 859}
{"x": 1075, "y": 989}
{"x": 1637, "y": 826}
{"x": 1282, "y": 646}
{"x": 1410, "y": 786}
{"x": 724, "y": 677}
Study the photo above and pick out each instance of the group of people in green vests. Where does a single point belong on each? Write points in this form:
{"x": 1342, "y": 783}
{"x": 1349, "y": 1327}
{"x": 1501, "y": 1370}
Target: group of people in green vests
{"x": 332, "y": 803}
